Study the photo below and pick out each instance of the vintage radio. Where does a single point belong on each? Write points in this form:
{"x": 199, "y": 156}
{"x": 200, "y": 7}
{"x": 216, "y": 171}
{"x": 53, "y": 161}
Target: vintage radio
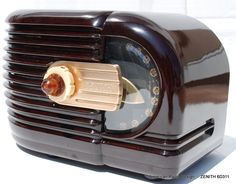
{"x": 143, "y": 92}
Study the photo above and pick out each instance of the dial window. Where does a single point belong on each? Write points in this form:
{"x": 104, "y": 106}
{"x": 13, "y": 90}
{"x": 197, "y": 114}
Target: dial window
{"x": 141, "y": 86}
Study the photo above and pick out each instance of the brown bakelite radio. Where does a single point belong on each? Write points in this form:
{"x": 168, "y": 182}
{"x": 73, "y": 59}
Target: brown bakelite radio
{"x": 144, "y": 92}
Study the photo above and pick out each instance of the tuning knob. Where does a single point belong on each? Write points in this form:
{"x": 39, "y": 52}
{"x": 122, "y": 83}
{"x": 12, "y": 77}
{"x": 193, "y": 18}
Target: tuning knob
{"x": 87, "y": 85}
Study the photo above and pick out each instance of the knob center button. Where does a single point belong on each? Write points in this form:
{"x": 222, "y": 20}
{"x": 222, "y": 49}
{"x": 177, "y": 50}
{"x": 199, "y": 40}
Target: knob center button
{"x": 53, "y": 85}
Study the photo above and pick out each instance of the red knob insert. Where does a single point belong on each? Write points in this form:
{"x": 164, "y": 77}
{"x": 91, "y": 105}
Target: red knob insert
{"x": 53, "y": 85}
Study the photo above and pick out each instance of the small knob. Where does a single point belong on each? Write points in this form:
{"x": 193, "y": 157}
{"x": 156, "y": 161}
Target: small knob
{"x": 58, "y": 83}
{"x": 53, "y": 85}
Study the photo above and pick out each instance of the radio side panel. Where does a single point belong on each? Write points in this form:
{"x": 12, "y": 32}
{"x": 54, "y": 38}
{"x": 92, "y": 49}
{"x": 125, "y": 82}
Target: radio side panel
{"x": 192, "y": 63}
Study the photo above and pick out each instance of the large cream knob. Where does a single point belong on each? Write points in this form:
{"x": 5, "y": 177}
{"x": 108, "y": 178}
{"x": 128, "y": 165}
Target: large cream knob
{"x": 88, "y": 85}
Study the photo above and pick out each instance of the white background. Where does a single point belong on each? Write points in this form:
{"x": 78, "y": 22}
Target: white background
{"x": 18, "y": 167}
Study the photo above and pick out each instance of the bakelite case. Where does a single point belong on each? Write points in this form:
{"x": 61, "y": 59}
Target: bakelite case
{"x": 193, "y": 76}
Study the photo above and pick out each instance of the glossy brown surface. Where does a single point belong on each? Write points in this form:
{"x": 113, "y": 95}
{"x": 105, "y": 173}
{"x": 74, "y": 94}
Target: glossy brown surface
{"x": 190, "y": 118}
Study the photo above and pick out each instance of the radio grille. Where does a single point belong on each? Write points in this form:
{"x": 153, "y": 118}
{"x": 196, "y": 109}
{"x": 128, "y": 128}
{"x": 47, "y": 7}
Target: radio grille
{"x": 31, "y": 49}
